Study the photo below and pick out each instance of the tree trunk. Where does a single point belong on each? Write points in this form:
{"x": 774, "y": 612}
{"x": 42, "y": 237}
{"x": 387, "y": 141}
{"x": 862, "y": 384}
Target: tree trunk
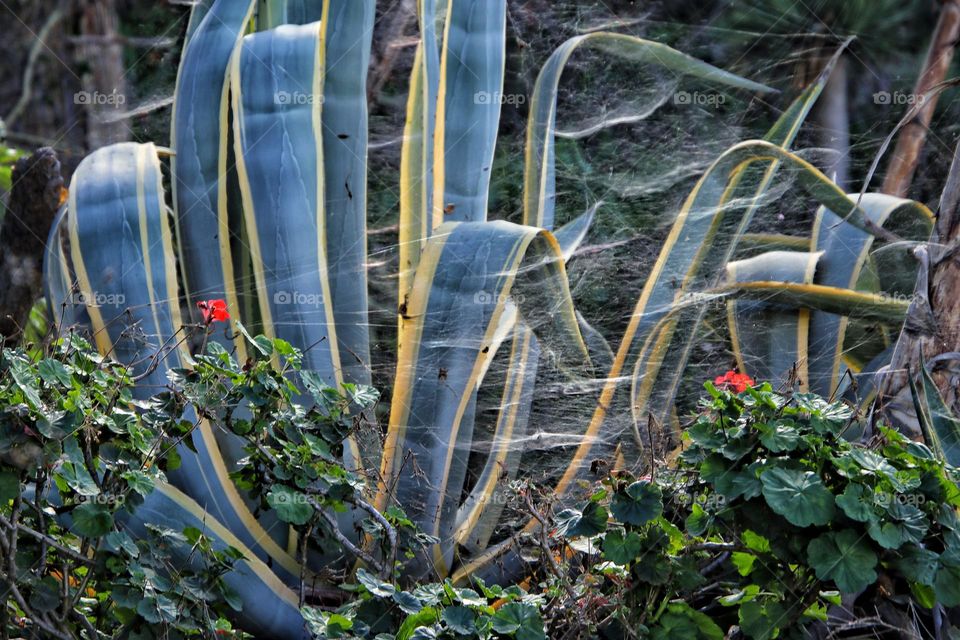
{"x": 833, "y": 117}
{"x": 932, "y": 327}
{"x": 906, "y": 155}
{"x": 105, "y": 87}
{"x": 36, "y": 195}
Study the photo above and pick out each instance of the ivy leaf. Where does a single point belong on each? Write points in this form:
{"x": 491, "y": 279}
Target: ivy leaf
{"x": 907, "y": 524}
{"x": 46, "y": 595}
{"x": 117, "y": 541}
{"x": 622, "y": 549}
{"x": 375, "y": 585}
{"x": 755, "y": 542}
{"x": 589, "y": 522}
{"x": 743, "y": 561}
{"x": 54, "y": 373}
{"x": 24, "y": 379}
{"x": 845, "y": 558}
{"x": 9, "y": 486}
{"x": 698, "y": 520}
{"x": 761, "y": 621}
{"x": 681, "y": 621}
{"x": 92, "y": 520}
{"x": 639, "y": 504}
{"x": 798, "y": 496}
{"x": 139, "y": 482}
{"x": 291, "y": 506}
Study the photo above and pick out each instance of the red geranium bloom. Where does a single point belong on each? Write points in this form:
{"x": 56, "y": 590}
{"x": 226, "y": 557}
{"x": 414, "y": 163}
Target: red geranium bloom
{"x": 733, "y": 381}
{"x": 214, "y": 310}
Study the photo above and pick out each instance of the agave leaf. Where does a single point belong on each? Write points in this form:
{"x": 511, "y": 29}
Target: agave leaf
{"x": 273, "y": 13}
{"x": 780, "y": 347}
{"x": 852, "y": 303}
{"x": 480, "y": 512}
{"x": 468, "y": 108}
{"x": 285, "y": 214}
{"x": 472, "y": 278}
{"x": 197, "y": 13}
{"x": 845, "y": 252}
{"x": 775, "y": 242}
{"x": 270, "y": 607}
{"x": 130, "y": 286}
{"x": 539, "y": 167}
{"x": 416, "y": 159}
{"x": 344, "y": 118}
{"x": 200, "y": 138}
{"x": 130, "y": 292}
{"x": 59, "y": 285}
{"x": 650, "y": 317}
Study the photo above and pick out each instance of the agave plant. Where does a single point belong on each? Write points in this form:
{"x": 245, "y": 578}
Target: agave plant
{"x": 268, "y": 175}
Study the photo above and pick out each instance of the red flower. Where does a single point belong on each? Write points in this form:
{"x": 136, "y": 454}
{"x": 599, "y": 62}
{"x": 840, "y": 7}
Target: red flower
{"x": 214, "y": 310}
{"x": 733, "y": 381}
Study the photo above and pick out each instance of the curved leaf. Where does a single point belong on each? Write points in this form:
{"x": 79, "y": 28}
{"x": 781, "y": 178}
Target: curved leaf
{"x": 456, "y": 317}
{"x": 200, "y": 138}
{"x": 780, "y": 347}
{"x": 539, "y": 168}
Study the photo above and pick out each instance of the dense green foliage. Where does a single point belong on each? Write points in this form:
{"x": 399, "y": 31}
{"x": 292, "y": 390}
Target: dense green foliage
{"x": 769, "y": 516}
{"x": 79, "y": 454}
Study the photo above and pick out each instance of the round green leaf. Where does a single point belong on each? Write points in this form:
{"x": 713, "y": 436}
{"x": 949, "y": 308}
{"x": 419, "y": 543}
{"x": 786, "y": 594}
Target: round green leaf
{"x": 92, "y": 520}
{"x": 291, "y": 506}
{"x": 798, "y": 496}
{"x": 589, "y": 522}
{"x": 844, "y": 557}
{"x": 460, "y": 619}
{"x": 622, "y": 549}
{"x": 857, "y": 502}
{"x": 640, "y": 503}
{"x": 375, "y": 585}
{"x": 522, "y": 620}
